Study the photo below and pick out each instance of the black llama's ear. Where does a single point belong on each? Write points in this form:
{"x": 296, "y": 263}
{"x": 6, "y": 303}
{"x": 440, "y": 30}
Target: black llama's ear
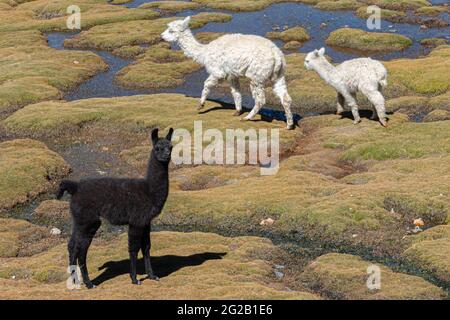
{"x": 169, "y": 135}
{"x": 155, "y": 136}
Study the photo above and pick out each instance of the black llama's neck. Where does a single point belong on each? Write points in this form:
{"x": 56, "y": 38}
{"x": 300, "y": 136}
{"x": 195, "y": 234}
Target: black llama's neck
{"x": 158, "y": 181}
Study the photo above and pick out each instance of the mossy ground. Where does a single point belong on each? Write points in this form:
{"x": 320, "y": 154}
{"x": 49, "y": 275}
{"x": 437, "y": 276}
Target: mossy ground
{"x": 50, "y": 16}
{"x": 433, "y": 42}
{"x": 27, "y": 168}
{"x": 430, "y": 252}
{"x": 367, "y": 41}
{"x": 340, "y": 187}
{"x": 171, "y": 6}
{"x": 132, "y": 114}
{"x": 19, "y": 238}
{"x": 344, "y": 276}
{"x": 298, "y": 34}
{"x": 31, "y": 71}
{"x": 158, "y": 67}
{"x": 116, "y": 35}
{"x": 338, "y": 5}
{"x": 427, "y": 75}
{"x": 190, "y": 265}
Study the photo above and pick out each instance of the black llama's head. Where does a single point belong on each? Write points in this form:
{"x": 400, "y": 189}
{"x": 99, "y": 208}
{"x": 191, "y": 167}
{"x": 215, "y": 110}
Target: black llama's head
{"x": 162, "y": 147}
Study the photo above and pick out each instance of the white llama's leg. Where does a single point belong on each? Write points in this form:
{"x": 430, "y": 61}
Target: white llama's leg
{"x": 377, "y": 100}
{"x": 237, "y": 96}
{"x": 280, "y": 89}
{"x": 209, "y": 84}
{"x": 350, "y": 99}
{"x": 260, "y": 99}
{"x": 340, "y": 103}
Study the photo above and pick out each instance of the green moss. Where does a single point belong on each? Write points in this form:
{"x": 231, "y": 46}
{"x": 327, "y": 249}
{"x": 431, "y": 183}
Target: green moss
{"x": 129, "y": 52}
{"x": 408, "y": 104}
{"x": 441, "y": 102}
{"x": 343, "y": 276}
{"x": 159, "y": 67}
{"x": 31, "y": 74}
{"x": 19, "y": 238}
{"x": 292, "y": 45}
{"x": 433, "y": 42}
{"x": 430, "y": 252}
{"x": 338, "y": 5}
{"x": 427, "y": 75}
{"x": 437, "y": 115}
{"x": 390, "y": 15}
{"x": 171, "y": 6}
{"x": 27, "y": 168}
{"x": 292, "y": 34}
{"x": 22, "y": 38}
{"x": 53, "y": 213}
{"x": 32, "y": 15}
{"x": 215, "y": 267}
{"x": 54, "y": 118}
{"x": 400, "y": 4}
{"x": 116, "y": 35}
{"x": 431, "y": 10}
{"x": 405, "y": 140}
{"x": 367, "y": 41}
{"x": 207, "y": 37}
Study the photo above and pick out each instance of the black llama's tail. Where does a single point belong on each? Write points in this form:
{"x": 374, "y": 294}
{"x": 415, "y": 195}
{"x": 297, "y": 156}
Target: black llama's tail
{"x": 67, "y": 185}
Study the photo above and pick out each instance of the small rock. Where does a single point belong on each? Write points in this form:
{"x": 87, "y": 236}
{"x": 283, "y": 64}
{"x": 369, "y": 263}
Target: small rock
{"x": 279, "y": 266}
{"x": 55, "y": 232}
{"x": 354, "y": 235}
{"x": 102, "y": 173}
{"x": 279, "y": 274}
{"x": 267, "y": 222}
{"x": 422, "y": 26}
{"x": 392, "y": 211}
{"x": 417, "y": 229}
{"x": 323, "y": 25}
{"x": 13, "y": 277}
{"x": 76, "y": 62}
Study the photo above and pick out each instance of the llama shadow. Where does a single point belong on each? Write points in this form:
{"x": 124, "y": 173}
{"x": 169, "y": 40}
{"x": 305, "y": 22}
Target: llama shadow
{"x": 267, "y": 115}
{"x": 362, "y": 113}
{"x": 163, "y": 265}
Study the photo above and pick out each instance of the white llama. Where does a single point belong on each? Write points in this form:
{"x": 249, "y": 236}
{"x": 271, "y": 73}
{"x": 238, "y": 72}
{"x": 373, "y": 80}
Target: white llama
{"x": 363, "y": 74}
{"x": 232, "y": 56}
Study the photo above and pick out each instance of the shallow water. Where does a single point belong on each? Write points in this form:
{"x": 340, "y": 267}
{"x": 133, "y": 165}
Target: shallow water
{"x": 259, "y": 22}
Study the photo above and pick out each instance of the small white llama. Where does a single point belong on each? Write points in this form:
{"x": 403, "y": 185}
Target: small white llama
{"x": 363, "y": 74}
{"x": 232, "y": 56}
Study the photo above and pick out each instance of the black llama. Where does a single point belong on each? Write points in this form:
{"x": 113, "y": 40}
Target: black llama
{"x": 132, "y": 202}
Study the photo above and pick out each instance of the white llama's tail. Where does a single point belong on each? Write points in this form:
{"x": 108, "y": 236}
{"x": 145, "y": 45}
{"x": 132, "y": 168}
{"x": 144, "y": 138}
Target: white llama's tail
{"x": 279, "y": 67}
{"x": 383, "y": 82}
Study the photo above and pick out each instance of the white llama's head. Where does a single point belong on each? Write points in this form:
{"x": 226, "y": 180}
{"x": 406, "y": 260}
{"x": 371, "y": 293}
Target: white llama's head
{"x": 175, "y": 29}
{"x": 313, "y": 58}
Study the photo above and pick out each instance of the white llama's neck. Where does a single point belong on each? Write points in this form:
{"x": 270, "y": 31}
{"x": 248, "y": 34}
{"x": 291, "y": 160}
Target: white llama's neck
{"x": 190, "y": 46}
{"x": 326, "y": 71}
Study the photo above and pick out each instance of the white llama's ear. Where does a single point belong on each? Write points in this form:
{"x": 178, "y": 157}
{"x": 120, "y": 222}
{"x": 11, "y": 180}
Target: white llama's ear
{"x": 316, "y": 52}
{"x": 322, "y": 51}
{"x": 186, "y": 22}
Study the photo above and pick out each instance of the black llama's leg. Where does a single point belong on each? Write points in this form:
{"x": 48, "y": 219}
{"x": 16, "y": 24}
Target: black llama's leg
{"x": 134, "y": 245}
{"x": 146, "y": 245}
{"x": 85, "y": 238}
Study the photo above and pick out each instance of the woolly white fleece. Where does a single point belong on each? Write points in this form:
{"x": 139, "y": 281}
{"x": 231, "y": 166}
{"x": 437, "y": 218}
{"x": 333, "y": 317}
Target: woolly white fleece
{"x": 358, "y": 75}
{"x": 232, "y": 56}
